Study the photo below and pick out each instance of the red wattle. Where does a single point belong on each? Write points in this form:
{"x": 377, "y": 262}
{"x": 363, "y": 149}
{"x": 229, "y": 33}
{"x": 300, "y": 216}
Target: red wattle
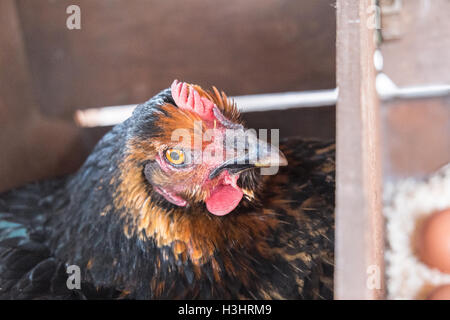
{"x": 223, "y": 199}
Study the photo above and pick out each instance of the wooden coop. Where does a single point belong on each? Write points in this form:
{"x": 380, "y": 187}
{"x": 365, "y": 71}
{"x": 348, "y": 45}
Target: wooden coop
{"x": 389, "y": 60}
{"x": 393, "y": 123}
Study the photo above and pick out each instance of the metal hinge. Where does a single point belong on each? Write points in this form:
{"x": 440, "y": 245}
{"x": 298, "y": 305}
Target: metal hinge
{"x": 391, "y": 20}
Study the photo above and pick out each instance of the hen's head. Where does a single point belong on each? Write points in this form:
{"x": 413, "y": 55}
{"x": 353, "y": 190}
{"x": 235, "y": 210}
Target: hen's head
{"x": 191, "y": 149}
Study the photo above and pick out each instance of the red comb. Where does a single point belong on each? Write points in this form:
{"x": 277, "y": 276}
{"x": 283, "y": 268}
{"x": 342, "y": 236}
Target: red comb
{"x": 186, "y": 97}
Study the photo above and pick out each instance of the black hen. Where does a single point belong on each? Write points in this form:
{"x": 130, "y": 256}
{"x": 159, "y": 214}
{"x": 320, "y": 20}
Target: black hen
{"x": 142, "y": 219}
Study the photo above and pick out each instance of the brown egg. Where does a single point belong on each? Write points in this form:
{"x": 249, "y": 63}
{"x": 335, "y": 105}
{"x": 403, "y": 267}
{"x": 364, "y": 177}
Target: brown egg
{"x": 433, "y": 241}
{"x": 440, "y": 293}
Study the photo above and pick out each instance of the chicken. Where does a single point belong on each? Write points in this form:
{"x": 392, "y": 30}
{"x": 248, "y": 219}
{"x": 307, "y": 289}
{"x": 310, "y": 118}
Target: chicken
{"x": 158, "y": 211}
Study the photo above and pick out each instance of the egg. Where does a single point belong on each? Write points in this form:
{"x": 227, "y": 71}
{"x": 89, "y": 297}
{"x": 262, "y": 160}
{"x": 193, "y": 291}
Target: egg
{"x": 433, "y": 241}
{"x": 440, "y": 293}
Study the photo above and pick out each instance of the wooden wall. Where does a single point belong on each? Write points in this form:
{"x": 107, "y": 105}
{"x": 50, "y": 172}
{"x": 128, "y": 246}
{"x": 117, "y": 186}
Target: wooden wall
{"x": 416, "y": 50}
{"x": 127, "y": 50}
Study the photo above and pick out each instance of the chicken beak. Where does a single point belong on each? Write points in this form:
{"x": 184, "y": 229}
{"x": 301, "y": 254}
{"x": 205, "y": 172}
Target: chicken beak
{"x": 259, "y": 154}
{"x": 269, "y": 156}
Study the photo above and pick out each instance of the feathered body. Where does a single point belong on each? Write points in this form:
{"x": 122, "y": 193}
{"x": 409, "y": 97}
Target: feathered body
{"x": 118, "y": 220}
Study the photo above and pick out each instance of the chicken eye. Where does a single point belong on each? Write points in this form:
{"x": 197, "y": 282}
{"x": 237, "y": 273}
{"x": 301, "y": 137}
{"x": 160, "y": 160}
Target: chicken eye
{"x": 175, "y": 156}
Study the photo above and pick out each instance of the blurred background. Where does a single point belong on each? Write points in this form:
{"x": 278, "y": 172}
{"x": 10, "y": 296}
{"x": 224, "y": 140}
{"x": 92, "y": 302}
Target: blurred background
{"x": 127, "y": 51}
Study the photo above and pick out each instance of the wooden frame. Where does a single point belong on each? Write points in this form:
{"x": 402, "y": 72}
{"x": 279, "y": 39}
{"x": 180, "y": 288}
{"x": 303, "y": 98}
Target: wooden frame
{"x": 359, "y": 224}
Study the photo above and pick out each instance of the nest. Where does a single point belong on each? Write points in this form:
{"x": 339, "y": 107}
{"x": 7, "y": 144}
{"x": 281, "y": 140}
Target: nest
{"x": 406, "y": 204}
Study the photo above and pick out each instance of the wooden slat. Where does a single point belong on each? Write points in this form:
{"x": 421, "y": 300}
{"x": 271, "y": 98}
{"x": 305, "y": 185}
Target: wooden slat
{"x": 127, "y": 51}
{"x": 359, "y": 236}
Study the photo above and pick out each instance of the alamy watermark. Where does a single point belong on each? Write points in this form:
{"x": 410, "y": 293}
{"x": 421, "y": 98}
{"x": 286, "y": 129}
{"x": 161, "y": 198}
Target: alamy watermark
{"x": 73, "y": 21}
{"x": 74, "y": 279}
{"x": 373, "y": 281}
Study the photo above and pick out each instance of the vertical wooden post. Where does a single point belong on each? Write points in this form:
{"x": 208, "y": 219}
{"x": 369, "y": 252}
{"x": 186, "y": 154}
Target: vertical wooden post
{"x": 359, "y": 236}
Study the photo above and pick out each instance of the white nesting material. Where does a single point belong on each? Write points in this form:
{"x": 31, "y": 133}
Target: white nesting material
{"x": 405, "y": 203}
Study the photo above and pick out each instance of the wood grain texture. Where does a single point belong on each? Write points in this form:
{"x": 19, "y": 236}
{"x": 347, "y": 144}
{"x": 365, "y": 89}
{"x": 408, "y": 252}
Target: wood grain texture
{"x": 359, "y": 235}
{"x": 126, "y": 51}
